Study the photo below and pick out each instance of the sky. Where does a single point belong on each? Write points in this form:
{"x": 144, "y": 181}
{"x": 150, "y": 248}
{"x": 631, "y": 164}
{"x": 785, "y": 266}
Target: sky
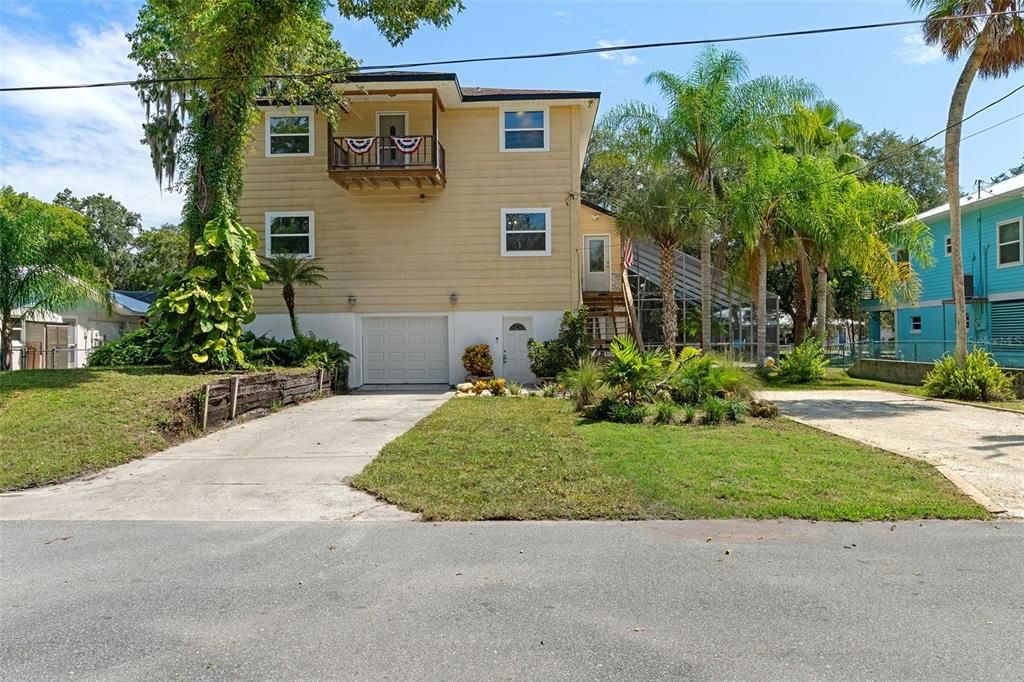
{"x": 89, "y": 140}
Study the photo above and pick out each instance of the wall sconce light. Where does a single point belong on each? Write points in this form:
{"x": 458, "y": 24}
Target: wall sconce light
{"x": 351, "y": 299}
{"x": 453, "y": 298}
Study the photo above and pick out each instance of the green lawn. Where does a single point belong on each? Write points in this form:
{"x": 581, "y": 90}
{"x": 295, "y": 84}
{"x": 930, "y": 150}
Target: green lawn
{"x": 533, "y": 458}
{"x": 839, "y": 379}
{"x": 55, "y": 424}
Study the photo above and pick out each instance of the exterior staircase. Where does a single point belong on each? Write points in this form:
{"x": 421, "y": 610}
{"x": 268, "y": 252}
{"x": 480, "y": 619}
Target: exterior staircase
{"x": 607, "y": 317}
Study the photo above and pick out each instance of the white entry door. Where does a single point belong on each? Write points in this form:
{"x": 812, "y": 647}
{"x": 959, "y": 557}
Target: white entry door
{"x": 595, "y": 261}
{"x": 405, "y": 350}
{"x": 388, "y": 125}
{"x": 515, "y": 361}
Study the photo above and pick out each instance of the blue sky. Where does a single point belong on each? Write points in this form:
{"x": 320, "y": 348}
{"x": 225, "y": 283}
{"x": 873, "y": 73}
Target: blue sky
{"x": 883, "y": 78}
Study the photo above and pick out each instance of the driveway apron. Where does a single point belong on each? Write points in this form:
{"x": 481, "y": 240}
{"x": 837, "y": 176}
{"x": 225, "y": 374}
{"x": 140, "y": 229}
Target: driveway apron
{"x": 983, "y": 447}
{"x": 289, "y": 466}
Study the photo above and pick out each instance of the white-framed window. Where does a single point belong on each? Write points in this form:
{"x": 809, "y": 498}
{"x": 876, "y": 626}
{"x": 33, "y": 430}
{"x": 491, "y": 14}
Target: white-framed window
{"x": 949, "y": 245}
{"x": 526, "y": 232}
{"x": 289, "y": 132}
{"x": 525, "y": 130}
{"x": 1009, "y": 243}
{"x": 915, "y": 324}
{"x": 290, "y": 233}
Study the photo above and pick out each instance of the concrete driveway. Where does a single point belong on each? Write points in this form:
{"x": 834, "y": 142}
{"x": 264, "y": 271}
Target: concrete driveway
{"x": 983, "y": 447}
{"x": 288, "y": 466}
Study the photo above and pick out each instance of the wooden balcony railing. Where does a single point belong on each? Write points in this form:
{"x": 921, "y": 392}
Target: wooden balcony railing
{"x": 386, "y": 160}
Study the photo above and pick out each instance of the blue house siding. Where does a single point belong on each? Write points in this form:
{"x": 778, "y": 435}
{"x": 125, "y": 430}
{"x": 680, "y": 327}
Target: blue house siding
{"x": 996, "y": 309}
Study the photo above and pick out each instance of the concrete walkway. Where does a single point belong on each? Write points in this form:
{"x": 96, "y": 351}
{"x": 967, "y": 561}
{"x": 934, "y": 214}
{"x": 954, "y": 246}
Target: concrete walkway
{"x": 983, "y": 447}
{"x": 288, "y": 466}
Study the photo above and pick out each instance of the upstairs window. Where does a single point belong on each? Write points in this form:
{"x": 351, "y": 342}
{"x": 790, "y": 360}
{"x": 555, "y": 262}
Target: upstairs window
{"x": 949, "y": 245}
{"x": 523, "y": 131}
{"x": 1010, "y": 246}
{"x": 526, "y": 232}
{"x": 915, "y": 324}
{"x": 290, "y": 134}
{"x": 290, "y": 234}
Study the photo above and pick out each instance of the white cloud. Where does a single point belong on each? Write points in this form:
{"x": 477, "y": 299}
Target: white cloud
{"x": 21, "y": 10}
{"x": 915, "y": 50}
{"x": 617, "y": 55}
{"x": 564, "y": 17}
{"x": 87, "y": 140}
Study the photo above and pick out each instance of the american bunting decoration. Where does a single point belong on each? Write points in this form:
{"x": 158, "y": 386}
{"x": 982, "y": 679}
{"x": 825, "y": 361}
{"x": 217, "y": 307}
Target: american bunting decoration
{"x": 407, "y": 145}
{"x": 359, "y": 145}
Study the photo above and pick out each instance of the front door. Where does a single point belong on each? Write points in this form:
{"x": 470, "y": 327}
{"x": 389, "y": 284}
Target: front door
{"x": 388, "y": 125}
{"x": 515, "y": 361}
{"x": 596, "y": 271}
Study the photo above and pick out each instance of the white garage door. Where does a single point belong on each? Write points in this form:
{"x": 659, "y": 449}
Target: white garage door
{"x": 405, "y": 350}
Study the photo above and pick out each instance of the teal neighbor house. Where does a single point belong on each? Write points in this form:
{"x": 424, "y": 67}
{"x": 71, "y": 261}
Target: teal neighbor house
{"x": 992, "y": 222}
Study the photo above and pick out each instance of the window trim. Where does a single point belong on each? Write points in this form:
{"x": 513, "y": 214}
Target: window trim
{"x": 920, "y": 324}
{"x": 949, "y": 245}
{"x": 269, "y": 217}
{"x": 284, "y": 112}
{"x": 547, "y": 128}
{"x": 1019, "y": 221}
{"x": 547, "y": 232}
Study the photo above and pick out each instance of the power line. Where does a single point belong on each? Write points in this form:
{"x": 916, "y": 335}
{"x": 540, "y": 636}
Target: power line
{"x": 994, "y": 125}
{"x": 503, "y": 58}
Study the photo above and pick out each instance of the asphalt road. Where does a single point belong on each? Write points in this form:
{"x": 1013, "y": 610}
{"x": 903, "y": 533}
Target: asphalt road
{"x": 391, "y": 600}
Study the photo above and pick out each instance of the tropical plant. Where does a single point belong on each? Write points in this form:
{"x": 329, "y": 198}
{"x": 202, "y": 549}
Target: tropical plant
{"x": 291, "y": 272}
{"x": 994, "y": 46}
{"x": 477, "y": 360}
{"x": 496, "y": 386}
{"x": 710, "y": 375}
{"x": 549, "y": 390}
{"x": 143, "y": 346}
{"x": 515, "y": 389}
{"x": 204, "y": 309}
{"x": 715, "y": 409}
{"x": 979, "y": 378}
{"x": 634, "y": 375}
{"x": 626, "y": 413}
{"x": 665, "y": 412}
{"x": 549, "y": 358}
{"x": 584, "y": 382}
{"x": 46, "y": 262}
{"x": 804, "y": 364}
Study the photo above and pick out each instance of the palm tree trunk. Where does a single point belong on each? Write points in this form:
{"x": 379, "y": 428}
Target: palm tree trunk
{"x": 289, "y": 300}
{"x": 821, "y": 313}
{"x": 802, "y": 292}
{"x": 957, "y": 104}
{"x": 706, "y": 291}
{"x": 762, "y": 300}
{"x": 669, "y": 309}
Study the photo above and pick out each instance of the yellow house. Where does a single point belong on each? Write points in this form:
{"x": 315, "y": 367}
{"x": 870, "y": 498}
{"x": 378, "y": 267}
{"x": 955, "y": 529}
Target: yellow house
{"x": 444, "y": 217}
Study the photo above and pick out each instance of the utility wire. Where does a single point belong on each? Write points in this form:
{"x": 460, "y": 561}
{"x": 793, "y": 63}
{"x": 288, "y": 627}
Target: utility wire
{"x": 503, "y": 58}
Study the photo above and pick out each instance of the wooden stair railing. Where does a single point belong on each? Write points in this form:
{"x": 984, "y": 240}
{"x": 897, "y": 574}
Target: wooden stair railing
{"x": 627, "y": 295}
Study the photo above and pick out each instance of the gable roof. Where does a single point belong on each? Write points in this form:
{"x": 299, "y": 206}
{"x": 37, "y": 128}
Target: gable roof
{"x": 1001, "y": 191}
{"x": 468, "y": 94}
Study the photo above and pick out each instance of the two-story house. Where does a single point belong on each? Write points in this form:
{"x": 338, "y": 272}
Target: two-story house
{"x": 992, "y": 225}
{"x": 444, "y": 216}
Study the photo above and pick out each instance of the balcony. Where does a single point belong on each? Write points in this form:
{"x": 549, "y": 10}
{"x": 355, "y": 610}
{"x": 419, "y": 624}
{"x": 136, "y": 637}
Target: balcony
{"x": 370, "y": 161}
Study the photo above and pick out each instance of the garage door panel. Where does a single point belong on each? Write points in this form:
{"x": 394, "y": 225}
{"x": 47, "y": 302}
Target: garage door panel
{"x": 405, "y": 350}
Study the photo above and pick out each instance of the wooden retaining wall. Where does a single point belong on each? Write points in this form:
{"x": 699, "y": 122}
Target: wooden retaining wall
{"x": 228, "y": 399}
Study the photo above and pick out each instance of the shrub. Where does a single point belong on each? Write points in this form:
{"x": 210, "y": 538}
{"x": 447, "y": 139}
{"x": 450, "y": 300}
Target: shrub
{"x": 806, "y": 363}
{"x": 515, "y": 388}
{"x": 689, "y": 414}
{"x": 550, "y": 358}
{"x": 584, "y": 382}
{"x": 736, "y": 409}
{"x": 664, "y": 412}
{"x": 496, "y": 386}
{"x": 549, "y": 390}
{"x": 141, "y": 347}
{"x": 715, "y": 409}
{"x": 303, "y": 351}
{"x": 697, "y": 378}
{"x": 479, "y": 387}
{"x": 979, "y": 379}
{"x": 478, "y": 361}
{"x": 635, "y": 375}
{"x": 625, "y": 413}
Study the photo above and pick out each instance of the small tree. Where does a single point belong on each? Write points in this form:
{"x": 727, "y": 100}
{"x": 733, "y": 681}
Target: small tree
{"x": 290, "y": 272}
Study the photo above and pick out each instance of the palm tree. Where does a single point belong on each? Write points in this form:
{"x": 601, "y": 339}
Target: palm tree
{"x": 670, "y": 208}
{"x": 994, "y": 46}
{"x": 715, "y": 118}
{"x": 290, "y": 272}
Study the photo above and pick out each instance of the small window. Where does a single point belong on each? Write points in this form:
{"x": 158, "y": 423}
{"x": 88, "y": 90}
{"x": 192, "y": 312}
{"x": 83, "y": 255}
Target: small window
{"x": 915, "y": 324}
{"x": 523, "y": 131}
{"x": 949, "y": 245}
{"x": 1010, "y": 246}
{"x": 526, "y": 232}
{"x": 967, "y": 319}
{"x": 517, "y": 327}
{"x": 290, "y": 134}
{"x": 290, "y": 234}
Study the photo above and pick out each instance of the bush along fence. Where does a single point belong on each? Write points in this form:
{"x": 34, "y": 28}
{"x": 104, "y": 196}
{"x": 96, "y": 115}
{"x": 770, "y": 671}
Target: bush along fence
{"x": 228, "y": 399}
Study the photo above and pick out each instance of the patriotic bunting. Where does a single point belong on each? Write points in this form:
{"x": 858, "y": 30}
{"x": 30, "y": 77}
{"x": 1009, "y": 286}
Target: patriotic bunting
{"x": 627, "y": 253}
{"x": 407, "y": 145}
{"x": 359, "y": 145}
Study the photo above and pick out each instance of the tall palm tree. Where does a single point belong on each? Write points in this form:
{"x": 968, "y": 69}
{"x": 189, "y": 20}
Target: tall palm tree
{"x": 994, "y": 46}
{"x": 669, "y": 208}
{"x": 715, "y": 117}
{"x": 290, "y": 272}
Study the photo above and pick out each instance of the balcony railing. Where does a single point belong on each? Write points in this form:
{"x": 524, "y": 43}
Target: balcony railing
{"x": 387, "y": 157}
